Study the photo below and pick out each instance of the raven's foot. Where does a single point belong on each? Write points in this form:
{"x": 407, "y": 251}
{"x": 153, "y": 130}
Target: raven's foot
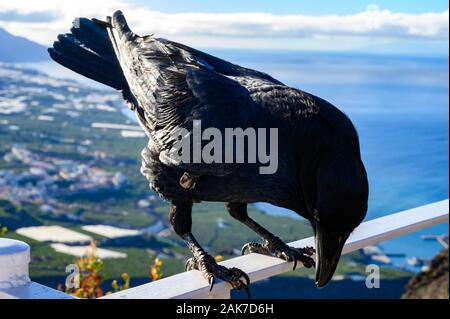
{"x": 276, "y": 247}
{"x": 211, "y": 270}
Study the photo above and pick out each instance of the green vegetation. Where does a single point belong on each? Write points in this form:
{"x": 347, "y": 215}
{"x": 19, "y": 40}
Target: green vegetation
{"x": 3, "y": 230}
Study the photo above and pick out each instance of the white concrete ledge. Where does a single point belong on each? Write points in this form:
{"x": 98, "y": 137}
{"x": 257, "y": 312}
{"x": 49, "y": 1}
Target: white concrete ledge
{"x": 33, "y": 290}
{"x": 192, "y": 285}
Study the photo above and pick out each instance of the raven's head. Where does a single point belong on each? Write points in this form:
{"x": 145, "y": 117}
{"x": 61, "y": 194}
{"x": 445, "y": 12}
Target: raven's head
{"x": 336, "y": 205}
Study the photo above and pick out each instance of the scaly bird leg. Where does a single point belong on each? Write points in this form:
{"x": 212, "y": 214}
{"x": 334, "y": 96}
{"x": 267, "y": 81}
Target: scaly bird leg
{"x": 209, "y": 268}
{"x": 272, "y": 245}
{"x": 181, "y": 220}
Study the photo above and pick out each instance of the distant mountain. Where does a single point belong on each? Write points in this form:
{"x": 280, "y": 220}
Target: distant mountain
{"x": 19, "y": 49}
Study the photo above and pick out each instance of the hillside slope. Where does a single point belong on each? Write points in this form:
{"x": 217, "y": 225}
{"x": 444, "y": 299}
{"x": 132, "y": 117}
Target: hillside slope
{"x": 431, "y": 284}
{"x": 19, "y": 49}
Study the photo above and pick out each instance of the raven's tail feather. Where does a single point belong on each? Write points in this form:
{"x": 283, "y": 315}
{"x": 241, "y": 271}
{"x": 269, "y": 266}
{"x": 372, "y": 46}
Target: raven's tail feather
{"x": 88, "y": 51}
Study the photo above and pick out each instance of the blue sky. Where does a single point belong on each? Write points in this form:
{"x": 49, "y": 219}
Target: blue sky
{"x": 386, "y": 27}
{"x": 293, "y": 6}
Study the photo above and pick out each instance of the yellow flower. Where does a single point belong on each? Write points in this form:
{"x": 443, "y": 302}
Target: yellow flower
{"x": 114, "y": 285}
{"x": 78, "y": 293}
{"x": 218, "y": 258}
{"x": 158, "y": 262}
{"x": 125, "y": 276}
{"x": 154, "y": 273}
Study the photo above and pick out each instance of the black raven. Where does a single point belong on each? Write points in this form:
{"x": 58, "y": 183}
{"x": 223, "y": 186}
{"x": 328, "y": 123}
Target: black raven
{"x": 320, "y": 174}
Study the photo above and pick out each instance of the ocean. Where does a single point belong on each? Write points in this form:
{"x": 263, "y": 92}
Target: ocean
{"x": 399, "y": 105}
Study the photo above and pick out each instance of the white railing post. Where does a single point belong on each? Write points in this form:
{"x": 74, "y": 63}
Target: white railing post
{"x": 14, "y": 260}
{"x": 14, "y": 274}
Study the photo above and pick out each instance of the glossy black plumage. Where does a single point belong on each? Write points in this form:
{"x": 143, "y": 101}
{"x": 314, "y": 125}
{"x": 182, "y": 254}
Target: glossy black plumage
{"x": 320, "y": 173}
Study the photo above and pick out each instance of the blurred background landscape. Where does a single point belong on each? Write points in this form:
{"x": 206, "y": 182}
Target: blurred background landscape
{"x": 70, "y": 150}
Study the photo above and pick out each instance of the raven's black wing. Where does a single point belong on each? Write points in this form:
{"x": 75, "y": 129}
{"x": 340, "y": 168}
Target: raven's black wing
{"x": 172, "y": 87}
{"x": 218, "y": 65}
{"x": 267, "y": 92}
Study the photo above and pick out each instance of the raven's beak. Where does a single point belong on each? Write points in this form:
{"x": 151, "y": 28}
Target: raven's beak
{"x": 328, "y": 251}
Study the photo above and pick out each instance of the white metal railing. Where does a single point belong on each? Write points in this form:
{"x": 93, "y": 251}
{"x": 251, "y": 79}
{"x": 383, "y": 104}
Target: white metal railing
{"x": 192, "y": 285}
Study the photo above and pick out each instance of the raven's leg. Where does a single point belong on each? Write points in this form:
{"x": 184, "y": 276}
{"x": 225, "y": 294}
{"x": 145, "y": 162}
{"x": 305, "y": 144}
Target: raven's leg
{"x": 180, "y": 217}
{"x": 272, "y": 245}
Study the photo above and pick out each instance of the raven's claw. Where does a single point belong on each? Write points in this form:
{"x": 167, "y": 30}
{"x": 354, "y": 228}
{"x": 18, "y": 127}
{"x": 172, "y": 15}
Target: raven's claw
{"x": 211, "y": 270}
{"x": 211, "y": 283}
{"x": 247, "y": 290}
{"x": 276, "y": 247}
{"x": 246, "y": 277}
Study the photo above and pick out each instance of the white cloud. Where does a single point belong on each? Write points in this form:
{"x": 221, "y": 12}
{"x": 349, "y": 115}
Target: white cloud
{"x": 234, "y": 29}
